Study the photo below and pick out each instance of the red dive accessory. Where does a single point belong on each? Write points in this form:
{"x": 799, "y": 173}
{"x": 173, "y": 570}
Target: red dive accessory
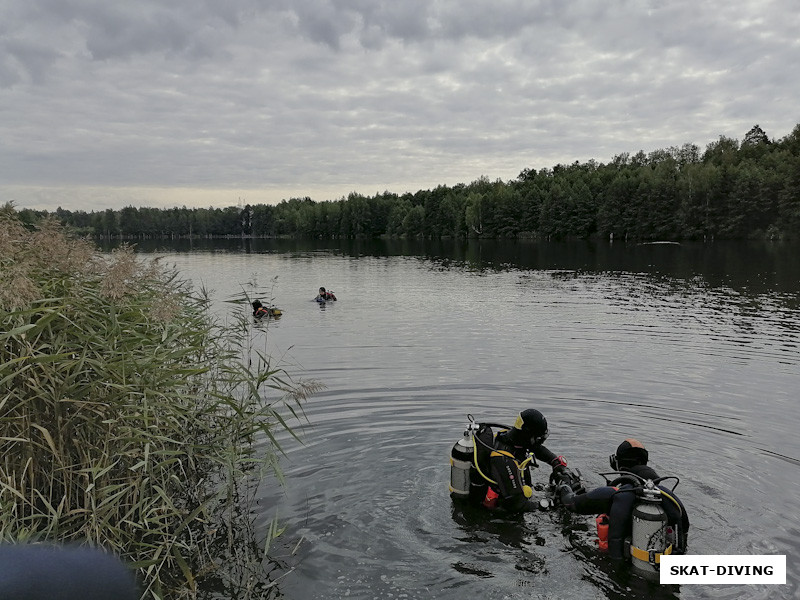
{"x": 602, "y": 532}
{"x": 491, "y": 498}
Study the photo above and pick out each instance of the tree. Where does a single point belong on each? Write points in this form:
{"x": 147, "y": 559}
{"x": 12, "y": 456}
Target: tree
{"x": 688, "y": 154}
{"x": 614, "y": 213}
{"x": 791, "y": 143}
{"x": 552, "y": 220}
{"x": 246, "y": 220}
{"x": 583, "y": 214}
{"x": 414, "y": 222}
{"x": 755, "y": 137}
{"x": 731, "y": 189}
{"x": 473, "y": 213}
{"x": 396, "y": 223}
{"x": 529, "y": 196}
{"x": 741, "y": 201}
{"x": 724, "y": 151}
{"x": 508, "y": 210}
{"x": 129, "y": 224}
{"x": 789, "y": 201}
{"x": 755, "y": 144}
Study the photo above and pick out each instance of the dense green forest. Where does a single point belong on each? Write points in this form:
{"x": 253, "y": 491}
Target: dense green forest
{"x": 732, "y": 190}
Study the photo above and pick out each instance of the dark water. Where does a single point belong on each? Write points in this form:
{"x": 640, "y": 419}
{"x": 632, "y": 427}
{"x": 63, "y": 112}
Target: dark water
{"x": 693, "y": 349}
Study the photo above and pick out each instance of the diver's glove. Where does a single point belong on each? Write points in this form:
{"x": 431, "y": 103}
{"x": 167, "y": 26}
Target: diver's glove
{"x": 559, "y": 473}
{"x": 577, "y": 486}
{"x": 565, "y": 495}
{"x": 565, "y": 476}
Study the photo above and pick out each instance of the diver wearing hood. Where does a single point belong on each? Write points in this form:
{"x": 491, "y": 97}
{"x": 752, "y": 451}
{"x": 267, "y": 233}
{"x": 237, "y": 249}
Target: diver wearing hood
{"x": 259, "y": 310}
{"x": 502, "y": 478}
{"x": 325, "y": 295}
{"x": 616, "y": 503}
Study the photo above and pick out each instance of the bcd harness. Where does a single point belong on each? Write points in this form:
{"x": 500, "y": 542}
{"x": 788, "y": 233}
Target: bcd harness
{"x": 650, "y": 556}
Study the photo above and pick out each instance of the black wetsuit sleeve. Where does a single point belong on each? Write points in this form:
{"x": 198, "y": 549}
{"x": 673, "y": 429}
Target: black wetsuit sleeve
{"x": 593, "y": 502}
{"x": 620, "y": 522}
{"x": 544, "y": 455}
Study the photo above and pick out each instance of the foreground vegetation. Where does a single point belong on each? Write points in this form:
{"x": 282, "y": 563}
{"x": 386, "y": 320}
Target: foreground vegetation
{"x": 127, "y": 416}
{"x": 731, "y": 190}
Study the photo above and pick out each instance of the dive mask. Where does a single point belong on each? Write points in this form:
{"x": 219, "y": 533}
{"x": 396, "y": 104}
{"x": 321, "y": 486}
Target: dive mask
{"x": 539, "y": 439}
{"x": 612, "y": 460}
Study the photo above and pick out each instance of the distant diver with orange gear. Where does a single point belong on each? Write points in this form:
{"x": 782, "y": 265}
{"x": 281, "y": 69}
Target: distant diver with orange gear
{"x": 260, "y": 311}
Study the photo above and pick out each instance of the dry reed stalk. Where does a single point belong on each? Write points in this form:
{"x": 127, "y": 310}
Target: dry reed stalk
{"x": 127, "y": 416}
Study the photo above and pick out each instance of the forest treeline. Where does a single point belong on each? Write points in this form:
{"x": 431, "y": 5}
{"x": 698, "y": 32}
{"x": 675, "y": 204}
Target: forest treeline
{"x": 731, "y": 190}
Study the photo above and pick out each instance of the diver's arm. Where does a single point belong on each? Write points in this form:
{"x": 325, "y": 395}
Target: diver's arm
{"x": 546, "y": 456}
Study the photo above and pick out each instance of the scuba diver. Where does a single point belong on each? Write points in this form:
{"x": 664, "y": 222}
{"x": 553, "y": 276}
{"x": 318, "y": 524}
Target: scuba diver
{"x": 639, "y": 519}
{"x": 493, "y": 469}
{"x": 324, "y": 296}
{"x": 260, "y": 311}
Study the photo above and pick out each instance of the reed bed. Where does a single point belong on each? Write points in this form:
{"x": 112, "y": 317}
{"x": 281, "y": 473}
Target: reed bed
{"x": 127, "y": 414}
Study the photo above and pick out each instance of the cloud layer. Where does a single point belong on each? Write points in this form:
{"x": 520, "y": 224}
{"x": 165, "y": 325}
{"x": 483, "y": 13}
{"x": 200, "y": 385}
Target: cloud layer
{"x": 197, "y": 101}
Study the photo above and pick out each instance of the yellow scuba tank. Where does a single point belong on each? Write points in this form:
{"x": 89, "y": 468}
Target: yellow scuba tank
{"x": 650, "y": 538}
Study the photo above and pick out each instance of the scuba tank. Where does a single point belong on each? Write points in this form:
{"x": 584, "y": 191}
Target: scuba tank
{"x": 468, "y": 481}
{"x": 460, "y": 465}
{"x": 650, "y": 537}
{"x": 461, "y": 458}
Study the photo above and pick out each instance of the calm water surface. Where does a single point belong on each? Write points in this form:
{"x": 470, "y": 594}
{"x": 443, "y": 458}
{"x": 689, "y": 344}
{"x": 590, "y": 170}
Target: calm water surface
{"x": 692, "y": 349}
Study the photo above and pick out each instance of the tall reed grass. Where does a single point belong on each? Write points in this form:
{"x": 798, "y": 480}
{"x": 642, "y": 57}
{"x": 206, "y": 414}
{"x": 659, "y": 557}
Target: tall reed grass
{"x": 127, "y": 414}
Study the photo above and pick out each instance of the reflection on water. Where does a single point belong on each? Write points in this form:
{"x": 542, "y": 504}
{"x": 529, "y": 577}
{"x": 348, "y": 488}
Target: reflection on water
{"x": 751, "y": 267}
{"x": 690, "y": 348}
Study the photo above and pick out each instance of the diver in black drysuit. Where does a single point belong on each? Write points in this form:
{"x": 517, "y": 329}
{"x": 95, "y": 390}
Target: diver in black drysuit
{"x": 618, "y": 504}
{"x": 325, "y": 295}
{"x": 499, "y": 459}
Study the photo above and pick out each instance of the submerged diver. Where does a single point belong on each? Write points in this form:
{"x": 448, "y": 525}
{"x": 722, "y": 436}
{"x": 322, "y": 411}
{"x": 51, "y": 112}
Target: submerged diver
{"x": 634, "y": 500}
{"x": 493, "y": 470}
{"x": 324, "y": 296}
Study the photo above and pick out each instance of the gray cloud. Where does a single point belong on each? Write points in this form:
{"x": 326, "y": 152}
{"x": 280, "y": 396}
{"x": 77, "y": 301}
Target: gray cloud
{"x": 329, "y": 96}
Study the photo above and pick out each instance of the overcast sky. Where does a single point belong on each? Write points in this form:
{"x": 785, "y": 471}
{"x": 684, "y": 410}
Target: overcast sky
{"x": 106, "y": 103}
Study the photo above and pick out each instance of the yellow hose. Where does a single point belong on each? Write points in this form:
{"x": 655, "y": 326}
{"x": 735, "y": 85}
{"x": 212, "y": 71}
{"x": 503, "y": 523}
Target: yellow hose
{"x": 475, "y": 454}
{"x": 674, "y": 501}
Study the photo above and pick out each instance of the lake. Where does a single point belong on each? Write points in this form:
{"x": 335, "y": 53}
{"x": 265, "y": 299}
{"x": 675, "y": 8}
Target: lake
{"x": 691, "y": 348}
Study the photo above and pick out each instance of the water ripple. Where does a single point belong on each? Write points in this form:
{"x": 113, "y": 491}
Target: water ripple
{"x": 703, "y": 371}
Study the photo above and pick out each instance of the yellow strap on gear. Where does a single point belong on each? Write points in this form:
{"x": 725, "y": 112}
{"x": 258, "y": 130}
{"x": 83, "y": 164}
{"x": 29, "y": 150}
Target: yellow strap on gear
{"x": 503, "y": 453}
{"x": 645, "y": 555}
